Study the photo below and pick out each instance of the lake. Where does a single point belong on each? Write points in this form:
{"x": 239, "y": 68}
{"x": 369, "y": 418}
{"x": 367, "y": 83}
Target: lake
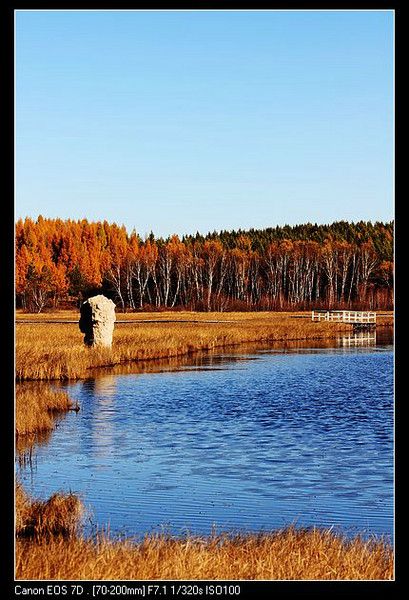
{"x": 231, "y": 442}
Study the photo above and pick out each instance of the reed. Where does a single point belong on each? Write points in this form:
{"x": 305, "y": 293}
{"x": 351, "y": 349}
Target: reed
{"x": 289, "y": 554}
{"x": 59, "y": 516}
{"x": 50, "y": 545}
{"x": 48, "y": 351}
{"x": 37, "y": 407}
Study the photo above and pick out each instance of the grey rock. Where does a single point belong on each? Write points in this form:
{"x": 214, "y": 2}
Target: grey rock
{"x": 97, "y": 321}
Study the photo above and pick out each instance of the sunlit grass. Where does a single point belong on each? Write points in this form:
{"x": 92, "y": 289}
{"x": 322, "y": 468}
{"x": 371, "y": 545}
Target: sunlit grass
{"x": 48, "y": 547}
{"x": 56, "y": 351}
{"x": 37, "y": 407}
{"x": 59, "y": 516}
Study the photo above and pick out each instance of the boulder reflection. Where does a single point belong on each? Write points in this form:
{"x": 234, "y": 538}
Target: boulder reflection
{"x": 99, "y": 396}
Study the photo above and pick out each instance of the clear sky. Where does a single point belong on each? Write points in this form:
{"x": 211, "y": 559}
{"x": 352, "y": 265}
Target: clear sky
{"x": 185, "y": 121}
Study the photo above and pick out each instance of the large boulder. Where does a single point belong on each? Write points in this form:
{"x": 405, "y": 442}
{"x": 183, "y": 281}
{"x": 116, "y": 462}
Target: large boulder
{"x": 97, "y": 321}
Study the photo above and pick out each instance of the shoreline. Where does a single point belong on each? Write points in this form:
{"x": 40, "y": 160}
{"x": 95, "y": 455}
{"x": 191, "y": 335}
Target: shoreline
{"x": 57, "y": 352}
{"x": 287, "y": 554}
{"x": 39, "y": 408}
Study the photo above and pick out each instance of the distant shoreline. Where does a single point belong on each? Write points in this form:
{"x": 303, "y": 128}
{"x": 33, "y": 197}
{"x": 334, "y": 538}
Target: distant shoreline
{"x": 57, "y": 351}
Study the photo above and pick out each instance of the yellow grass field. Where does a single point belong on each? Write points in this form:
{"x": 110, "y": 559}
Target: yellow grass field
{"x": 286, "y": 555}
{"x": 49, "y": 547}
{"x": 47, "y": 351}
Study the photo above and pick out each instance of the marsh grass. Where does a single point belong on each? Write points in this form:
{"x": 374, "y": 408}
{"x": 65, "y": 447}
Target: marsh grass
{"x": 37, "y": 408}
{"x": 50, "y": 545}
{"x": 59, "y": 516}
{"x": 48, "y": 351}
{"x": 289, "y": 554}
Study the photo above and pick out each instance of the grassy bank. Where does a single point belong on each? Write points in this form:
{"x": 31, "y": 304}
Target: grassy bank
{"x": 289, "y": 554}
{"x": 59, "y": 516}
{"x": 48, "y": 547}
{"x": 37, "y": 408}
{"x": 47, "y": 351}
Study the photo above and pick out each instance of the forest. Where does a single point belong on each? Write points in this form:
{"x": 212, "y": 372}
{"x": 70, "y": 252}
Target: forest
{"x": 60, "y": 263}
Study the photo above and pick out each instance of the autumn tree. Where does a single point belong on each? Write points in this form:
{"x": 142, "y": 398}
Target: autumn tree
{"x": 342, "y": 264}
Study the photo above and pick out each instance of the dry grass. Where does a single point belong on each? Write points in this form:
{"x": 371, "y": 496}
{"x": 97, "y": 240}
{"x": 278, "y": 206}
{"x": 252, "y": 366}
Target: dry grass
{"x": 37, "y": 406}
{"x": 49, "y": 546}
{"x": 285, "y": 555}
{"x": 50, "y": 351}
{"x": 59, "y": 516}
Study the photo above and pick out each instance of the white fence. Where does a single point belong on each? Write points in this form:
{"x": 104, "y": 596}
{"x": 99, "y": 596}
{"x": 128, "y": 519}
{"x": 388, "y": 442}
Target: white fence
{"x": 344, "y": 316}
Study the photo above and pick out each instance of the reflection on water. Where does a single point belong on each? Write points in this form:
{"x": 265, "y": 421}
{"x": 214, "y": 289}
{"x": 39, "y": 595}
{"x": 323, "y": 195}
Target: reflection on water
{"x": 252, "y": 442}
{"x": 361, "y": 338}
{"x": 382, "y": 336}
{"x": 101, "y": 391}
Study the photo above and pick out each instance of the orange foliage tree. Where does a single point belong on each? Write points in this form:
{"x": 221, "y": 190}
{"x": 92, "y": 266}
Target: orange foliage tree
{"x": 65, "y": 260}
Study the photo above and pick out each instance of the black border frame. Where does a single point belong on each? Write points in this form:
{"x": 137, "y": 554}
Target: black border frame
{"x": 248, "y": 588}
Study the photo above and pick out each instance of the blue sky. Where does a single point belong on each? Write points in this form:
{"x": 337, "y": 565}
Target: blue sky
{"x": 185, "y": 121}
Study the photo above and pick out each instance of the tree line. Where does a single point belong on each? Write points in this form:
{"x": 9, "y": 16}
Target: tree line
{"x": 341, "y": 265}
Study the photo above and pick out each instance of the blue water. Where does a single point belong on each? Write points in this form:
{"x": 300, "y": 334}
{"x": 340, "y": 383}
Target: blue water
{"x": 245, "y": 443}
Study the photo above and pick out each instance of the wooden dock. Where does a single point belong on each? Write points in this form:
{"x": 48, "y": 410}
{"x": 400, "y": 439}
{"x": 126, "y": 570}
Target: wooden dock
{"x": 360, "y": 319}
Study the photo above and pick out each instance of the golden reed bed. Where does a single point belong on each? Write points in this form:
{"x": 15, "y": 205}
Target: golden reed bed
{"x": 49, "y": 547}
{"x": 284, "y": 555}
{"x": 47, "y": 351}
{"x": 37, "y": 407}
